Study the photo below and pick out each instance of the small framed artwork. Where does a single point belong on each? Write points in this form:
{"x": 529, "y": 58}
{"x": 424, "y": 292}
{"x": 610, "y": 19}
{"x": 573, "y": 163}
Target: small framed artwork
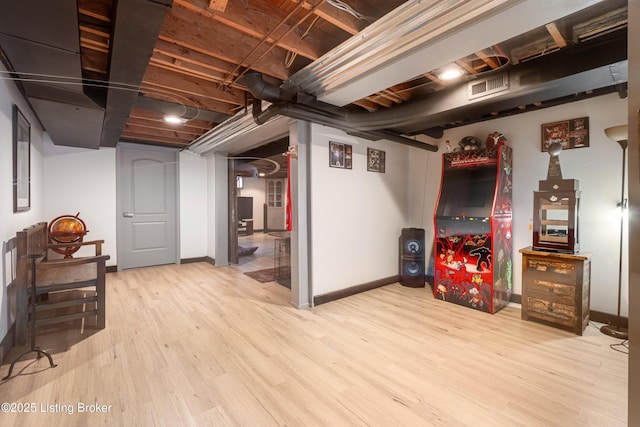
{"x": 21, "y": 162}
{"x": 375, "y": 160}
{"x": 340, "y": 155}
{"x": 572, "y": 133}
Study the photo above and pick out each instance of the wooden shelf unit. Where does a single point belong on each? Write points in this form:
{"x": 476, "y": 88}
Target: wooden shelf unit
{"x": 555, "y": 216}
{"x": 556, "y": 288}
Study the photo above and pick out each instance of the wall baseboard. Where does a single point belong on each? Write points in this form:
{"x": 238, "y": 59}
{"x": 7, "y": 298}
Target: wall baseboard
{"x": 353, "y": 290}
{"x": 608, "y": 319}
{"x": 596, "y": 316}
{"x": 206, "y": 259}
{"x": 516, "y": 298}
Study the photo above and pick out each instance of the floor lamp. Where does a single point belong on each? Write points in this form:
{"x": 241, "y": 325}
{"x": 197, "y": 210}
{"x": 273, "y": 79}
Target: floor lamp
{"x": 620, "y": 135}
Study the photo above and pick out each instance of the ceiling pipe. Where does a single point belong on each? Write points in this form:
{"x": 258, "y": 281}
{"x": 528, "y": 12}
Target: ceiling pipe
{"x": 302, "y": 112}
{"x": 324, "y": 114}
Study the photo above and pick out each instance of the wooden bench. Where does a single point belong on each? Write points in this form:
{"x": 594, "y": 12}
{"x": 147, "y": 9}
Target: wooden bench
{"x": 15, "y": 293}
{"x": 60, "y": 284}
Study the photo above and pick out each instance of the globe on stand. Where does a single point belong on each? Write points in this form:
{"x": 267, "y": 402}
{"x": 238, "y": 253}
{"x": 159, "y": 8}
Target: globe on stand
{"x": 67, "y": 229}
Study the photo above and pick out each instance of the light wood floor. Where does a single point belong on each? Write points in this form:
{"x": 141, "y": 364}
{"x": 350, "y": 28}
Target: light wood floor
{"x": 197, "y": 345}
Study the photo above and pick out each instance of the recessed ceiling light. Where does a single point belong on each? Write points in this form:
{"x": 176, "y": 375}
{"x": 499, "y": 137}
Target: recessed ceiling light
{"x": 450, "y": 73}
{"x": 174, "y": 120}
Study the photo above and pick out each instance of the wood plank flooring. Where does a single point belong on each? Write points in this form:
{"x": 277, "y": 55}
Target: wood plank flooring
{"x": 198, "y": 345}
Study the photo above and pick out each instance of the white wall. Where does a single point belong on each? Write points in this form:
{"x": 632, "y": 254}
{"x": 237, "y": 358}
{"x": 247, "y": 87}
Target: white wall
{"x": 11, "y": 222}
{"x": 598, "y": 169}
{"x": 83, "y": 180}
{"x": 193, "y": 205}
{"x": 356, "y": 216}
{"x": 255, "y": 187}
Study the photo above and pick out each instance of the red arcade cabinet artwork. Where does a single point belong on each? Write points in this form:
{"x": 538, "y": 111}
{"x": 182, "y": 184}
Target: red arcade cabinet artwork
{"x": 473, "y": 265}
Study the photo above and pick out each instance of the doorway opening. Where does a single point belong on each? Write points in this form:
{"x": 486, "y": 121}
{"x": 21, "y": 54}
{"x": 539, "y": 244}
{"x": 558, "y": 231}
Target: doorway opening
{"x": 257, "y": 207}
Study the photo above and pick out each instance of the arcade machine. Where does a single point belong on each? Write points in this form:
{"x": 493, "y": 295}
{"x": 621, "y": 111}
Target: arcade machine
{"x": 472, "y": 253}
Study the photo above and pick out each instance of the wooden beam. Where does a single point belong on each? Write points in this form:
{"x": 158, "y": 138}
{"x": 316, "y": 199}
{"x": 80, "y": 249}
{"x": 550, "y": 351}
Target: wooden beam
{"x": 345, "y": 21}
{"x": 558, "y": 38}
{"x": 177, "y": 66}
{"x": 184, "y": 54}
{"x": 92, "y": 45}
{"x": 170, "y": 130}
{"x": 97, "y": 9}
{"x": 197, "y": 33}
{"x": 94, "y": 59}
{"x": 488, "y": 59}
{"x": 181, "y": 84}
{"x": 261, "y": 19}
{"x": 219, "y": 5}
{"x": 189, "y": 100}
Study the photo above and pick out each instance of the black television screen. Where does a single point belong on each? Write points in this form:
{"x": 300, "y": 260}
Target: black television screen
{"x": 245, "y": 208}
{"x": 467, "y": 191}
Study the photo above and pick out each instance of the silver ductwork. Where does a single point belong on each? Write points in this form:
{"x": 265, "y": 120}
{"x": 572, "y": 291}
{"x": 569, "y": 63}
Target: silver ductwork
{"x": 552, "y": 77}
{"x": 317, "y": 112}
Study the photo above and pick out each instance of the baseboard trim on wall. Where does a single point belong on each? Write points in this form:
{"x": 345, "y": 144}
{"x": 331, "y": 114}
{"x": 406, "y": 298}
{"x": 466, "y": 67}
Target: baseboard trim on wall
{"x": 608, "y": 319}
{"x": 353, "y": 290}
{"x": 7, "y": 343}
{"x": 206, "y": 259}
{"x": 516, "y": 298}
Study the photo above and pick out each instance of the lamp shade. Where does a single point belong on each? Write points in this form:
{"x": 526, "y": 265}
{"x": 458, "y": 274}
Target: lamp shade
{"x": 617, "y": 133}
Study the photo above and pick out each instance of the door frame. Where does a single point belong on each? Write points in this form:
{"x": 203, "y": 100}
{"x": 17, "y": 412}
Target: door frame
{"x": 120, "y": 229}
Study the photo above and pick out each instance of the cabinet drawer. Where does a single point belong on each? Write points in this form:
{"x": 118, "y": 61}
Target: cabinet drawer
{"x": 563, "y": 269}
{"x": 552, "y": 291}
{"x": 561, "y": 314}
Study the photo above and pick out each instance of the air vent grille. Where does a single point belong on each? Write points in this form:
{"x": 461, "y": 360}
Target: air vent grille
{"x": 488, "y": 86}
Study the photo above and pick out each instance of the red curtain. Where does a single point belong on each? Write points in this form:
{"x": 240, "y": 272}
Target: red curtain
{"x": 288, "y": 206}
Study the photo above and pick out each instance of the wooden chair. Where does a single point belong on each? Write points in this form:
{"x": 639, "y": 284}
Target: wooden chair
{"x": 52, "y": 285}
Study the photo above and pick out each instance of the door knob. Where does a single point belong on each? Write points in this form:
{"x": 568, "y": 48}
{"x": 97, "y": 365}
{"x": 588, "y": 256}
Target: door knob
{"x": 127, "y": 214}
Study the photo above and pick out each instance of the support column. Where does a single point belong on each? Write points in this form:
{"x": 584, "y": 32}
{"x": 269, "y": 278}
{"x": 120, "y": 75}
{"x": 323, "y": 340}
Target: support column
{"x": 221, "y": 208}
{"x": 300, "y": 170}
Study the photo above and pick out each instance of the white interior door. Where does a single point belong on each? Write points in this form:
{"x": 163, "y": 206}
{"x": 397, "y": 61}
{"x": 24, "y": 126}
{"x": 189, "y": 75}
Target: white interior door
{"x": 276, "y": 204}
{"x": 147, "y": 206}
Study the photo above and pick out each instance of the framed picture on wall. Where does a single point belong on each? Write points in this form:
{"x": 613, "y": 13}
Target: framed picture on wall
{"x": 21, "y": 162}
{"x": 572, "y": 133}
{"x": 340, "y": 155}
{"x": 375, "y": 160}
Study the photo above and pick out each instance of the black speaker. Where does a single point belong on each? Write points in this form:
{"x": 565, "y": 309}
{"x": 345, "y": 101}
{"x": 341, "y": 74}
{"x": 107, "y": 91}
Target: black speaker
{"x": 412, "y": 255}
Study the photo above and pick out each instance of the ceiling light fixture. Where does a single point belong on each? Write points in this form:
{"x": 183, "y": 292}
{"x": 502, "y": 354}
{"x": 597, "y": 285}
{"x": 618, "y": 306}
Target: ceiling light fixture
{"x": 450, "y": 72}
{"x": 174, "y": 120}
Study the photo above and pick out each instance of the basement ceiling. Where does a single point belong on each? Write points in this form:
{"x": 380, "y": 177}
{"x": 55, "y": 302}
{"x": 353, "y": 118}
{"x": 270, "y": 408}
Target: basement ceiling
{"x": 99, "y": 72}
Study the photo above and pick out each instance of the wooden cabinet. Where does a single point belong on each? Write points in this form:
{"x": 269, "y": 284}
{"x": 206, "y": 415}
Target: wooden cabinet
{"x": 555, "y": 289}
